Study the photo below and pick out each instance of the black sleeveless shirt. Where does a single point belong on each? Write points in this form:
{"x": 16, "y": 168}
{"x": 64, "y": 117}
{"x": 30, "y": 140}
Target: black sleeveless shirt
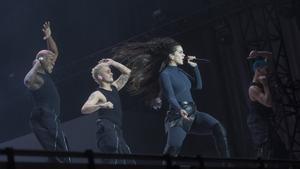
{"x": 46, "y": 97}
{"x": 115, "y": 114}
{"x": 258, "y": 108}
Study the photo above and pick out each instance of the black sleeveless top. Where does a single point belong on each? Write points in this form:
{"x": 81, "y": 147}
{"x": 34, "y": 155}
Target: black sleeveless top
{"x": 46, "y": 97}
{"x": 258, "y": 108}
{"x": 115, "y": 114}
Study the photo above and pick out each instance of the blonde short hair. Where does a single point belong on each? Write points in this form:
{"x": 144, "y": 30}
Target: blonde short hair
{"x": 96, "y": 71}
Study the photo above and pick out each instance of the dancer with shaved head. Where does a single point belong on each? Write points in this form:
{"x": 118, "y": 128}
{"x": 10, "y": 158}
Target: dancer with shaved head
{"x": 45, "y": 117}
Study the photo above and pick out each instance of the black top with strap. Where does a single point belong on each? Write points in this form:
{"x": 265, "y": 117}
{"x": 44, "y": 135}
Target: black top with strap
{"x": 46, "y": 97}
{"x": 115, "y": 114}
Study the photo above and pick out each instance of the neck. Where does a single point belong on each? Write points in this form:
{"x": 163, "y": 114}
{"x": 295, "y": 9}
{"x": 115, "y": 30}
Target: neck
{"x": 172, "y": 63}
{"x": 105, "y": 85}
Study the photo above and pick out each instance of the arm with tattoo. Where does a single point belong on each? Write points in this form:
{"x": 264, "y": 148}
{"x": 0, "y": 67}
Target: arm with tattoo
{"x": 125, "y": 74}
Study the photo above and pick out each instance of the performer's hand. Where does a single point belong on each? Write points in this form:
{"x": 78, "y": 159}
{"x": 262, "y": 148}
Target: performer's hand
{"x": 156, "y": 103}
{"x": 184, "y": 114}
{"x": 107, "y": 61}
{"x": 263, "y": 80}
{"x": 108, "y": 105}
{"x": 46, "y": 29}
{"x": 253, "y": 54}
{"x": 190, "y": 61}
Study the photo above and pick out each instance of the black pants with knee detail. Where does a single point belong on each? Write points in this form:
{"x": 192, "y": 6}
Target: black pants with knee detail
{"x": 110, "y": 140}
{"x": 46, "y": 126}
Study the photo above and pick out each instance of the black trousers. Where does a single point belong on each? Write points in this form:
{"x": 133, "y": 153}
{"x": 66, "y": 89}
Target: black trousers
{"x": 110, "y": 140}
{"x": 268, "y": 143}
{"x": 202, "y": 124}
{"x": 46, "y": 126}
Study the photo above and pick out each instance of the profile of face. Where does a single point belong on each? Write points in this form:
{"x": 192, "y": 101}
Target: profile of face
{"x": 177, "y": 56}
{"x": 105, "y": 73}
{"x": 47, "y": 60}
{"x": 262, "y": 71}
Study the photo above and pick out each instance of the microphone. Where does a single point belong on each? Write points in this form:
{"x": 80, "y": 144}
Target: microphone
{"x": 199, "y": 59}
{"x": 202, "y": 60}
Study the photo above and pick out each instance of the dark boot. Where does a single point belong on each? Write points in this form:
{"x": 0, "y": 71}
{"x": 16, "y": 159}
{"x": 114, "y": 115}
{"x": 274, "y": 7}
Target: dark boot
{"x": 172, "y": 150}
{"x": 221, "y": 141}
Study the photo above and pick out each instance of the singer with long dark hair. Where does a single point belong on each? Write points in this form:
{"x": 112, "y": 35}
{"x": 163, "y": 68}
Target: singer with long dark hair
{"x": 155, "y": 68}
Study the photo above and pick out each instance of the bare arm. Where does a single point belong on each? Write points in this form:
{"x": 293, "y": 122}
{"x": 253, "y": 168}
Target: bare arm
{"x": 254, "y": 54}
{"x": 264, "y": 98}
{"x": 123, "y": 78}
{"x": 95, "y": 102}
{"x": 32, "y": 80}
{"x": 51, "y": 45}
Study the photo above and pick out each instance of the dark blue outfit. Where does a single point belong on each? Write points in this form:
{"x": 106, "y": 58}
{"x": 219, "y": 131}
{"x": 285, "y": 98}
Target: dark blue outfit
{"x": 260, "y": 122}
{"x": 45, "y": 118}
{"x": 109, "y": 128}
{"x": 176, "y": 87}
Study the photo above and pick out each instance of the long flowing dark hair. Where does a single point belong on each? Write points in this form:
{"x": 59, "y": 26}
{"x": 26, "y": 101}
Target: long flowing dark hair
{"x": 146, "y": 60}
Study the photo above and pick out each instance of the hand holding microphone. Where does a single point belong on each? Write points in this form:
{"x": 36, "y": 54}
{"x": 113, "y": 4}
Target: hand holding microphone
{"x": 191, "y": 60}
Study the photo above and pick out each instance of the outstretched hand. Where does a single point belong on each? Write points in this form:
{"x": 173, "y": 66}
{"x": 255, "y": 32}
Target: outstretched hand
{"x": 47, "y": 30}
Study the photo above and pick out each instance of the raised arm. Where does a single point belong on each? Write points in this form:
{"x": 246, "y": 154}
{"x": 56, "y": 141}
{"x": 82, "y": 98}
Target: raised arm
{"x": 51, "y": 45}
{"x": 265, "y": 54}
{"x": 95, "y": 102}
{"x": 125, "y": 73}
{"x": 198, "y": 82}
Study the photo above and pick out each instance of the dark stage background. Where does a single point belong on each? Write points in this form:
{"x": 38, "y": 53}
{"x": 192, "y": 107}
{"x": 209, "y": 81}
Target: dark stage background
{"x": 85, "y": 31}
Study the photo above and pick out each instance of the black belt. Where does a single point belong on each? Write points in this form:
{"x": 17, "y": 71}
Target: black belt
{"x": 174, "y": 118}
{"x": 189, "y": 107}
